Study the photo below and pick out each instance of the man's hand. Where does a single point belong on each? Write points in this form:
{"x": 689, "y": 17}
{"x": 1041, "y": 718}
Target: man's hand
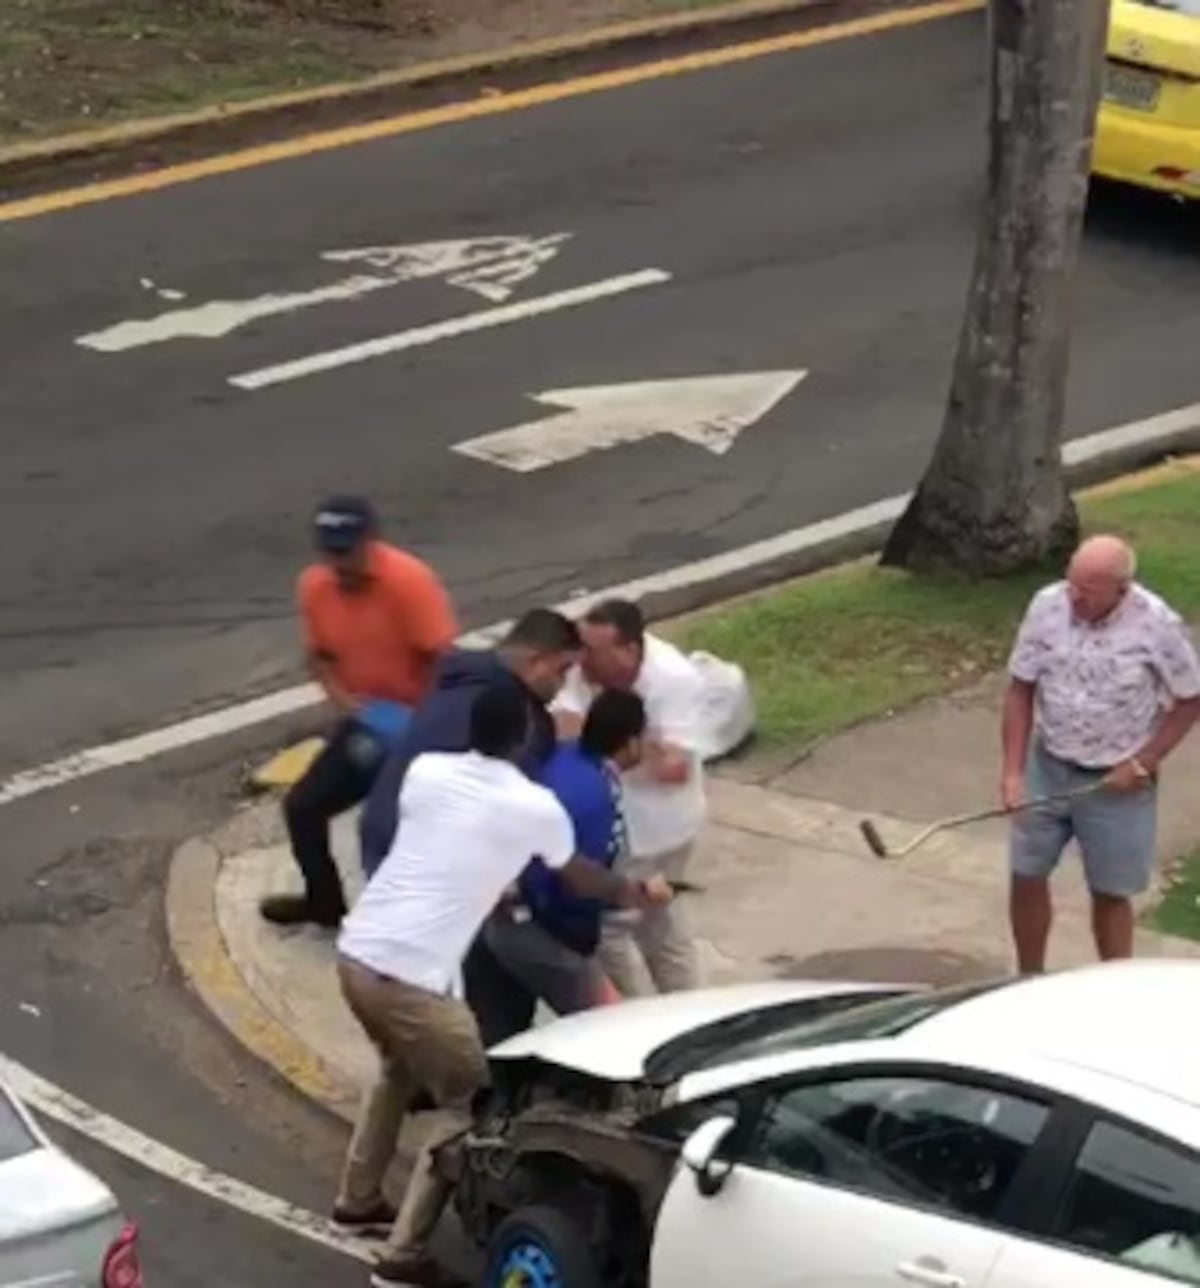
{"x": 666, "y": 764}
{"x": 657, "y": 890}
{"x": 1012, "y": 791}
{"x": 1128, "y": 776}
{"x": 653, "y": 892}
{"x": 568, "y": 724}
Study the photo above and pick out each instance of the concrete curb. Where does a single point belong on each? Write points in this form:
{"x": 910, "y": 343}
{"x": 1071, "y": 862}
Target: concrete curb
{"x": 206, "y": 129}
{"x": 1089, "y": 461}
{"x": 210, "y": 971}
{"x": 231, "y": 983}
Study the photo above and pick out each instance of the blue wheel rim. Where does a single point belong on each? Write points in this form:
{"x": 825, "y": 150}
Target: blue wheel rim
{"x": 525, "y": 1264}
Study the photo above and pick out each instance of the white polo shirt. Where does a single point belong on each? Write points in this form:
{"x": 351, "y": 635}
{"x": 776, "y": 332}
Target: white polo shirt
{"x": 468, "y": 827}
{"x": 659, "y": 816}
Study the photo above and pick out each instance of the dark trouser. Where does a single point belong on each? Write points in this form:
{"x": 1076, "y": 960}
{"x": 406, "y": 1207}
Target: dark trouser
{"x": 513, "y": 965}
{"x": 501, "y": 1004}
{"x": 339, "y": 778}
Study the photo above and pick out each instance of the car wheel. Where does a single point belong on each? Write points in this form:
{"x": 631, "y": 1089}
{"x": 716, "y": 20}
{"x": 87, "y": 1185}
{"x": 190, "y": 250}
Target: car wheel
{"x": 540, "y": 1247}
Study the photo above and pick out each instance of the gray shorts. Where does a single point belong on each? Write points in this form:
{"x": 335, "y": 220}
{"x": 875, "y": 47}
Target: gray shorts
{"x": 1115, "y": 830}
{"x": 547, "y": 969}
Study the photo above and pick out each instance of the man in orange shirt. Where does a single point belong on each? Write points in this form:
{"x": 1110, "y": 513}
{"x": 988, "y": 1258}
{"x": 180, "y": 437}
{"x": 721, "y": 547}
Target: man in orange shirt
{"x": 375, "y": 622}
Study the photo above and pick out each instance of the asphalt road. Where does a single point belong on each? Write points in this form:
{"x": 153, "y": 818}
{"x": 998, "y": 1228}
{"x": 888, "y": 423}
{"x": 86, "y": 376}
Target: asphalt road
{"x": 815, "y": 209}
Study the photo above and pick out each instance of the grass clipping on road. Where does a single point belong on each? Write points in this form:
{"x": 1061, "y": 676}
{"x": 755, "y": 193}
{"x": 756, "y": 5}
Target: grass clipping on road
{"x": 856, "y": 642}
{"x": 68, "y": 65}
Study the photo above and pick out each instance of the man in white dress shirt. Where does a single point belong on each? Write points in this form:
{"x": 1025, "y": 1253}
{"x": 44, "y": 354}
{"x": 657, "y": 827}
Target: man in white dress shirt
{"x": 664, "y": 796}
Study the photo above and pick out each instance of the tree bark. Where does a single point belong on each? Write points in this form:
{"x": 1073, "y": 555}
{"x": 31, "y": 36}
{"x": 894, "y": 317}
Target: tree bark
{"x": 993, "y": 499}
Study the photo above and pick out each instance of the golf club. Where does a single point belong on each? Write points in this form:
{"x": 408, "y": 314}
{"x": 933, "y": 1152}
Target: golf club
{"x": 881, "y": 850}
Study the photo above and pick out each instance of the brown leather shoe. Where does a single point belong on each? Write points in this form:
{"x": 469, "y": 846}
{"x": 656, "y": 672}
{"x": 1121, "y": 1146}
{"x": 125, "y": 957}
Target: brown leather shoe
{"x": 296, "y": 910}
{"x": 378, "y": 1217}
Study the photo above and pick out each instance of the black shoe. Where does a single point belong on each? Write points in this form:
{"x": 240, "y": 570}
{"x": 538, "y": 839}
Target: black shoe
{"x": 297, "y": 910}
{"x": 416, "y": 1272}
{"x": 380, "y": 1216}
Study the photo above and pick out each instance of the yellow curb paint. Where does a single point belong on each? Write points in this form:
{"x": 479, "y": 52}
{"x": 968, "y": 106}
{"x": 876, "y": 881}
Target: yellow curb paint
{"x": 416, "y": 76}
{"x": 288, "y": 766}
{"x": 473, "y": 109}
{"x": 206, "y": 965}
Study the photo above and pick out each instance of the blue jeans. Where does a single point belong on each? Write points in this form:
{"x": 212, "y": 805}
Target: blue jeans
{"x": 1116, "y": 831}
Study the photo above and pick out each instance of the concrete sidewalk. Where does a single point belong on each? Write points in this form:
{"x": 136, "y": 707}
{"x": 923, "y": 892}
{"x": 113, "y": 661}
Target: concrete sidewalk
{"x": 790, "y": 887}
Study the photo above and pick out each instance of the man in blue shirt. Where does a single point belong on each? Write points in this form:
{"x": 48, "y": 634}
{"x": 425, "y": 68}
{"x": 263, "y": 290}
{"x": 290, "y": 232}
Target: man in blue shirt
{"x": 545, "y": 937}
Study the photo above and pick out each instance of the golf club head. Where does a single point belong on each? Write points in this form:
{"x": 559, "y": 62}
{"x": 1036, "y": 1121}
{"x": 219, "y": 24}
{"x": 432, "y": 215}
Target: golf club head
{"x": 873, "y": 839}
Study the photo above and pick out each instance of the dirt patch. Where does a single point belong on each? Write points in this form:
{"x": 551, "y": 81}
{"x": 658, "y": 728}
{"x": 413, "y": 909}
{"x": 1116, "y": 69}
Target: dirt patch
{"x": 66, "y": 65}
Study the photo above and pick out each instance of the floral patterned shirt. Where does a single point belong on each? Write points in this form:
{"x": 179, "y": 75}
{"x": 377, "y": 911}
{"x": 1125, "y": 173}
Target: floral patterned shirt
{"x": 1102, "y": 687}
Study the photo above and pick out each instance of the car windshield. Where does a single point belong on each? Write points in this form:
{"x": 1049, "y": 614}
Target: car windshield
{"x": 855, "y": 1017}
{"x": 1175, "y": 6}
{"x": 15, "y": 1138}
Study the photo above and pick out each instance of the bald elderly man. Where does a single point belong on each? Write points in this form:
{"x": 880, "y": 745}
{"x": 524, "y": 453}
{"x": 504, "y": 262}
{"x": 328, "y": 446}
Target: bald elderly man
{"x": 1104, "y": 684}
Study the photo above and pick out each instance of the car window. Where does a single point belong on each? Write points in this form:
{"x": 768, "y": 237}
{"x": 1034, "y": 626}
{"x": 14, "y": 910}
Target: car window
{"x": 15, "y": 1138}
{"x": 943, "y": 1145}
{"x": 1135, "y": 1200}
{"x": 811, "y": 1023}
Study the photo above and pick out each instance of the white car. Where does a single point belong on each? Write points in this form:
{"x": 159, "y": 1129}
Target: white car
{"x": 1036, "y": 1133}
{"x": 60, "y": 1227}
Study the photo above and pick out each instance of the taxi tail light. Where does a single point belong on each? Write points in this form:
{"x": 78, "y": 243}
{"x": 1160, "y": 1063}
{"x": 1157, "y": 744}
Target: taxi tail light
{"x": 122, "y": 1266}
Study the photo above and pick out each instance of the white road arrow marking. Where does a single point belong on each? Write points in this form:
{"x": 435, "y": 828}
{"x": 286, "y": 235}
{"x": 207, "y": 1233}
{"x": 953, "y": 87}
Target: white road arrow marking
{"x": 419, "y": 336}
{"x": 489, "y": 266}
{"x": 709, "y": 411}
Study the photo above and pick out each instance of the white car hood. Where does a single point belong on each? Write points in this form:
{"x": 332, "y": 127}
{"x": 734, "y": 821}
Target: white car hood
{"x": 45, "y": 1190}
{"x": 615, "y": 1042}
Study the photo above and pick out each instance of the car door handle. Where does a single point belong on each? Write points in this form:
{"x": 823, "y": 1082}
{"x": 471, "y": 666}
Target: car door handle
{"x": 930, "y": 1276}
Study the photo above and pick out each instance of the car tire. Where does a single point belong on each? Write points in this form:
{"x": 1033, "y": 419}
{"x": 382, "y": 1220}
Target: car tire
{"x": 540, "y": 1247}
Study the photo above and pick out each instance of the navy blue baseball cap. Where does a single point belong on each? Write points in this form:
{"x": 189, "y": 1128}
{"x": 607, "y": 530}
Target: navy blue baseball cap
{"x": 343, "y": 523}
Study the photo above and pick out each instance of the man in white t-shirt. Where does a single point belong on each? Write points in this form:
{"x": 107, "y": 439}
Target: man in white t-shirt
{"x": 469, "y": 823}
{"x": 664, "y": 798}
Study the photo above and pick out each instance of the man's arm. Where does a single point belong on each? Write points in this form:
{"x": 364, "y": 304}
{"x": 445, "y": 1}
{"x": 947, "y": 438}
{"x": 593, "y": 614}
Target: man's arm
{"x": 590, "y": 880}
{"x": 1175, "y": 727}
{"x": 569, "y": 709}
{"x": 324, "y": 671}
{"x": 1016, "y": 728}
{"x": 428, "y": 620}
{"x": 322, "y": 664}
{"x": 1016, "y": 721}
{"x": 670, "y": 755}
{"x": 1179, "y": 672}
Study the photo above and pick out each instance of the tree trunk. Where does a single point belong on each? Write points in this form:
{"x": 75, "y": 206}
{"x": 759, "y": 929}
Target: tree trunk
{"x": 993, "y": 499}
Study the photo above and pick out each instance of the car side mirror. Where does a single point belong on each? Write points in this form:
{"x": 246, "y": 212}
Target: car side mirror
{"x": 700, "y": 1152}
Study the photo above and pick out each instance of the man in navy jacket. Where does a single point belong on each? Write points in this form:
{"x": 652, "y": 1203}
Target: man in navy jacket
{"x": 535, "y": 654}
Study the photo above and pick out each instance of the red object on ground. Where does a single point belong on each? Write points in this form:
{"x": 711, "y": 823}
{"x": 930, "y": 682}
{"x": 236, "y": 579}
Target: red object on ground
{"x": 122, "y": 1267}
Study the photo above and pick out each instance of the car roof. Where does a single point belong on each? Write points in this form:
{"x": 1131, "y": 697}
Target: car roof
{"x": 1131, "y": 1021}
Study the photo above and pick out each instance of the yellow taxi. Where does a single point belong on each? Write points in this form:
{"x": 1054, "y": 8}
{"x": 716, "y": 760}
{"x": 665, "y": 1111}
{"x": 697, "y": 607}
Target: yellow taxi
{"x": 1148, "y": 133}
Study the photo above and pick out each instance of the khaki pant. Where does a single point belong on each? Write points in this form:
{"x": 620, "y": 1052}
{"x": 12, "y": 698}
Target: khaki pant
{"x": 426, "y": 1044}
{"x": 652, "y": 950}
